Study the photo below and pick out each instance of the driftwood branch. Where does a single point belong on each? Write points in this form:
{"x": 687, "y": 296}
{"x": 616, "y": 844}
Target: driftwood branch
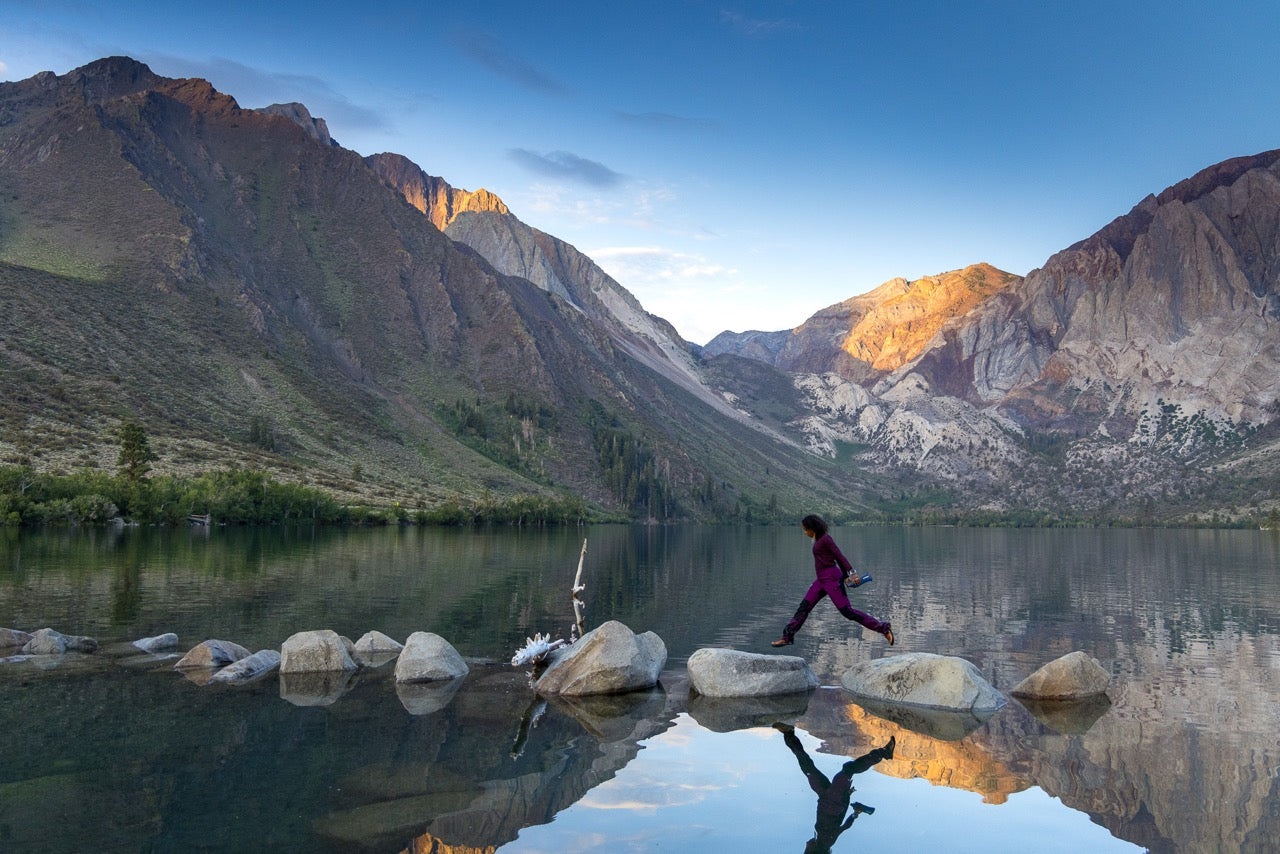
{"x": 538, "y": 647}
{"x": 578, "y": 605}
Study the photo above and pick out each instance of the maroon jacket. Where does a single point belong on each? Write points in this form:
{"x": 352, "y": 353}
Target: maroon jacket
{"x": 827, "y": 556}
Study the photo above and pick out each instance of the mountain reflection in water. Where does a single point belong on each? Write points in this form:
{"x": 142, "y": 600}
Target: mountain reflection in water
{"x": 1182, "y": 757}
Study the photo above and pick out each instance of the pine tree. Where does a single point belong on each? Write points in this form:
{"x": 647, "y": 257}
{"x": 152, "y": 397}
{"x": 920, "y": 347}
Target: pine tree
{"x": 135, "y": 452}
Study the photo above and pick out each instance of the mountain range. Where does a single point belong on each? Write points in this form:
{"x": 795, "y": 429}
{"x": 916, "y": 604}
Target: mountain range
{"x": 256, "y": 294}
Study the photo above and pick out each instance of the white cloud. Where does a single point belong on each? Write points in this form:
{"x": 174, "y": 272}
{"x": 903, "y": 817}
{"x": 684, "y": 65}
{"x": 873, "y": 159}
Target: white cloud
{"x": 700, "y": 297}
{"x": 652, "y": 264}
{"x": 554, "y": 202}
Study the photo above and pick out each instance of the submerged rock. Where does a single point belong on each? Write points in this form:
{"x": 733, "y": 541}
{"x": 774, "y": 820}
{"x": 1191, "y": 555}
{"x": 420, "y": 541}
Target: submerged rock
{"x": 1072, "y": 677}
{"x": 318, "y": 651}
{"x": 168, "y": 640}
{"x": 210, "y": 654}
{"x": 427, "y": 657}
{"x": 610, "y": 659}
{"x": 248, "y": 669}
{"x": 734, "y": 673}
{"x": 14, "y": 637}
{"x": 46, "y": 642}
{"x": 925, "y": 680}
{"x": 50, "y": 642}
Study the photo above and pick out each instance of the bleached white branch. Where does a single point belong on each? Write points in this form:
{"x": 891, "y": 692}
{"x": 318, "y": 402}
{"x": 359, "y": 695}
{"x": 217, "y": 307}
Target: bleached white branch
{"x": 535, "y": 649}
{"x": 539, "y": 646}
{"x": 579, "y": 628}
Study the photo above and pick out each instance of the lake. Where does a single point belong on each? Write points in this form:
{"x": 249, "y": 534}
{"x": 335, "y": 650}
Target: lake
{"x": 113, "y": 752}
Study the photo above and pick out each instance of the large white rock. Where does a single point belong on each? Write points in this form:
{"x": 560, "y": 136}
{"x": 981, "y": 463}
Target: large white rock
{"x": 925, "y": 680}
{"x": 211, "y": 653}
{"x": 610, "y": 659}
{"x": 427, "y": 657}
{"x": 1072, "y": 677}
{"x": 317, "y": 651}
{"x": 734, "y": 673}
{"x": 257, "y": 665}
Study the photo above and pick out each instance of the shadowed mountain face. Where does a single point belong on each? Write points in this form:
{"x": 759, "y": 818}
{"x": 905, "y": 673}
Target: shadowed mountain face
{"x": 168, "y": 255}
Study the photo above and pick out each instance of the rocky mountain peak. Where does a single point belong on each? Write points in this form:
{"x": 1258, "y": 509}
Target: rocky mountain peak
{"x": 315, "y": 127}
{"x": 112, "y": 77}
{"x": 874, "y": 333}
{"x": 435, "y": 197}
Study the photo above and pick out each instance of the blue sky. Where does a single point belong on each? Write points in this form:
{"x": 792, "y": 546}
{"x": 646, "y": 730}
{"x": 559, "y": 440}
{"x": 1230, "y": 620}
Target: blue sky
{"x": 740, "y": 165}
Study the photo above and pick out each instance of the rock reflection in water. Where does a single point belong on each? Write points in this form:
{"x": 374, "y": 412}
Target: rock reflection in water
{"x": 498, "y": 761}
{"x": 727, "y": 714}
{"x": 941, "y": 748}
{"x": 315, "y": 689}
{"x": 426, "y": 698}
{"x": 1184, "y": 759}
{"x": 1069, "y": 717}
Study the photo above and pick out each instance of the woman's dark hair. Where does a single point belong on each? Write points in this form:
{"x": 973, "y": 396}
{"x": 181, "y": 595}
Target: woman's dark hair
{"x": 815, "y": 524}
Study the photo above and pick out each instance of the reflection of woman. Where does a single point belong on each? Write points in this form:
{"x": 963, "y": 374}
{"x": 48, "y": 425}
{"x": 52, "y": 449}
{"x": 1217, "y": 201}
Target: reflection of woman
{"x": 832, "y": 568}
{"x": 833, "y": 795}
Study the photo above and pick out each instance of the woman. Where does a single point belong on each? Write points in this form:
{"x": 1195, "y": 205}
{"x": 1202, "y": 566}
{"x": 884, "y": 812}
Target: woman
{"x": 831, "y": 567}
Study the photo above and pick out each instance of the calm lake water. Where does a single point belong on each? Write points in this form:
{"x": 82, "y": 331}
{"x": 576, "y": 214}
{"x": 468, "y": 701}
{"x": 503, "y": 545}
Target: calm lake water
{"x": 117, "y": 753}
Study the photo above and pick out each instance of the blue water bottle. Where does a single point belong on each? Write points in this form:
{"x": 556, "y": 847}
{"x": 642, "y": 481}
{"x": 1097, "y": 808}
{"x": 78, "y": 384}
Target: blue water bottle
{"x": 855, "y": 580}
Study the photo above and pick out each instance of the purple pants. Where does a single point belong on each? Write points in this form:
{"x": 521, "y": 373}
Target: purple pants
{"x": 829, "y": 584}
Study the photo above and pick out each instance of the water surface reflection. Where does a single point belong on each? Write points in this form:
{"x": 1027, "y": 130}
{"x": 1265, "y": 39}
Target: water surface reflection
{"x": 1182, "y": 757}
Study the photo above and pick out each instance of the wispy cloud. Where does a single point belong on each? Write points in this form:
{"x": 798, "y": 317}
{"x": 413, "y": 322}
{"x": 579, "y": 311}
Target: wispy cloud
{"x": 567, "y": 167}
{"x": 758, "y": 26}
{"x": 493, "y": 55}
{"x": 699, "y": 296}
{"x": 655, "y": 264}
{"x": 666, "y": 121}
{"x": 259, "y": 87}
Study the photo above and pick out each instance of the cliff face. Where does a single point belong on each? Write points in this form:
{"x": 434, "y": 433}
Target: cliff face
{"x": 1147, "y": 348}
{"x": 435, "y": 197}
{"x": 1174, "y": 303}
{"x": 483, "y": 222}
{"x": 873, "y": 334}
